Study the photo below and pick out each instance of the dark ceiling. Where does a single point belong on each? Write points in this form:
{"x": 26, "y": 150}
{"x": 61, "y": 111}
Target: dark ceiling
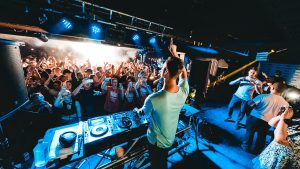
{"x": 258, "y": 25}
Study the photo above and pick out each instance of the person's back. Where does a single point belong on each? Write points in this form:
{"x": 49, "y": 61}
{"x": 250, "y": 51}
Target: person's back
{"x": 267, "y": 106}
{"x": 166, "y": 108}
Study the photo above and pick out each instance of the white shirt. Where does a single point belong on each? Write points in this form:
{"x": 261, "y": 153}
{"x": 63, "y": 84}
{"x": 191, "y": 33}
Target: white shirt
{"x": 246, "y": 88}
{"x": 267, "y": 106}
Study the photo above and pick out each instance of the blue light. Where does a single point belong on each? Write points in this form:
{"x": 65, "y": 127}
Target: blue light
{"x": 96, "y": 29}
{"x": 236, "y": 52}
{"x": 135, "y": 37}
{"x": 152, "y": 40}
{"x": 205, "y": 49}
{"x": 67, "y": 24}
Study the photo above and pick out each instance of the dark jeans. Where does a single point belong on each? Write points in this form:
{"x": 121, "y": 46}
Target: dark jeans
{"x": 243, "y": 110}
{"x": 255, "y": 125}
{"x": 158, "y": 157}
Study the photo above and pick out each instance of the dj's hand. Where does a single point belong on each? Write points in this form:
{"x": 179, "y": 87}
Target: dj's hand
{"x": 139, "y": 111}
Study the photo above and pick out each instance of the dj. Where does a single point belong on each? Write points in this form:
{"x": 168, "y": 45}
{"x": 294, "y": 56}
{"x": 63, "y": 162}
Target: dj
{"x": 164, "y": 107}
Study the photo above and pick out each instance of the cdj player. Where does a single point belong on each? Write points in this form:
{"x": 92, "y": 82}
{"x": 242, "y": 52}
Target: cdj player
{"x": 100, "y": 133}
{"x": 106, "y": 131}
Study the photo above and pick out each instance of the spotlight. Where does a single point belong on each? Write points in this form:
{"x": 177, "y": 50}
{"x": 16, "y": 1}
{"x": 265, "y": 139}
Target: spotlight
{"x": 96, "y": 29}
{"x": 67, "y": 23}
{"x": 43, "y": 18}
{"x": 135, "y": 37}
{"x": 293, "y": 95}
{"x": 152, "y": 40}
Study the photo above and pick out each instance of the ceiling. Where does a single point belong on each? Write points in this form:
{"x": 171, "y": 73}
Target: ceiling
{"x": 258, "y": 25}
{"x": 212, "y": 20}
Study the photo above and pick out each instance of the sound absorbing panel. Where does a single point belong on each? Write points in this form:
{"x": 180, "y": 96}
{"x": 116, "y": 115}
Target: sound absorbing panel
{"x": 13, "y": 92}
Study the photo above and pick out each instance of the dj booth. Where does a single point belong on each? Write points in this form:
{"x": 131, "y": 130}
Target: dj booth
{"x": 70, "y": 143}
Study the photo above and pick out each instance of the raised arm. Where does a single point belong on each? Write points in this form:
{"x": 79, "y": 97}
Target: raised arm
{"x": 280, "y": 133}
{"x": 236, "y": 81}
{"x": 258, "y": 88}
{"x": 59, "y": 99}
{"x": 104, "y": 84}
{"x": 173, "y": 50}
{"x": 119, "y": 69}
{"x": 183, "y": 74}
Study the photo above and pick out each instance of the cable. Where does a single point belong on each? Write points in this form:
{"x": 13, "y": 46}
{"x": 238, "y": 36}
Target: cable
{"x": 108, "y": 150}
{"x": 135, "y": 141}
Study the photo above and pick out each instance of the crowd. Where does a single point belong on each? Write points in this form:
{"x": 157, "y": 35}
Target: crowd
{"x": 81, "y": 91}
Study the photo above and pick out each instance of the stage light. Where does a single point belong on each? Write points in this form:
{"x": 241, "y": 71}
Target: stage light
{"x": 96, "y": 29}
{"x": 42, "y": 18}
{"x": 135, "y": 37}
{"x": 205, "y": 49}
{"x": 293, "y": 95}
{"x": 67, "y": 24}
{"x": 152, "y": 40}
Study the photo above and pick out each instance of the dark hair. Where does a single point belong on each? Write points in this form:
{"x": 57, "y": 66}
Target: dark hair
{"x": 174, "y": 65}
{"x": 66, "y": 71}
{"x": 279, "y": 87}
{"x": 58, "y": 82}
{"x": 253, "y": 68}
{"x": 89, "y": 70}
{"x": 48, "y": 71}
{"x": 61, "y": 77}
{"x": 278, "y": 72}
{"x": 44, "y": 75}
{"x": 269, "y": 80}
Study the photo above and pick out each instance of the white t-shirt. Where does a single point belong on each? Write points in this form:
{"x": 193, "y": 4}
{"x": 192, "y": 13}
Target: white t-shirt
{"x": 164, "y": 108}
{"x": 267, "y": 106}
{"x": 246, "y": 88}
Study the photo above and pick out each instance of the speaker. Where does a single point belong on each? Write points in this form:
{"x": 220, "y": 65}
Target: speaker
{"x": 13, "y": 92}
{"x": 199, "y": 75}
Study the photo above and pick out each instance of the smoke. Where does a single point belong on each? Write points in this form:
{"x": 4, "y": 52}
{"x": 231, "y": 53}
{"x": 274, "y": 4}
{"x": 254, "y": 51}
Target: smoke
{"x": 79, "y": 52}
{"x": 96, "y": 53}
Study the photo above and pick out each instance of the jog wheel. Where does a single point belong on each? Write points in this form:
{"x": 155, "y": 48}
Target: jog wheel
{"x": 99, "y": 130}
{"x": 125, "y": 122}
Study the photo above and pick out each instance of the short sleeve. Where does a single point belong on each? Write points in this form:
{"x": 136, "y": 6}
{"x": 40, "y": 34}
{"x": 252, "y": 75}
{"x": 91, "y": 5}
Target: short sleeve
{"x": 258, "y": 99}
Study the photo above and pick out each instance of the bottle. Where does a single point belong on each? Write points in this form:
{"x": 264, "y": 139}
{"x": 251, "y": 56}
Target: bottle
{"x": 40, "y": 153}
